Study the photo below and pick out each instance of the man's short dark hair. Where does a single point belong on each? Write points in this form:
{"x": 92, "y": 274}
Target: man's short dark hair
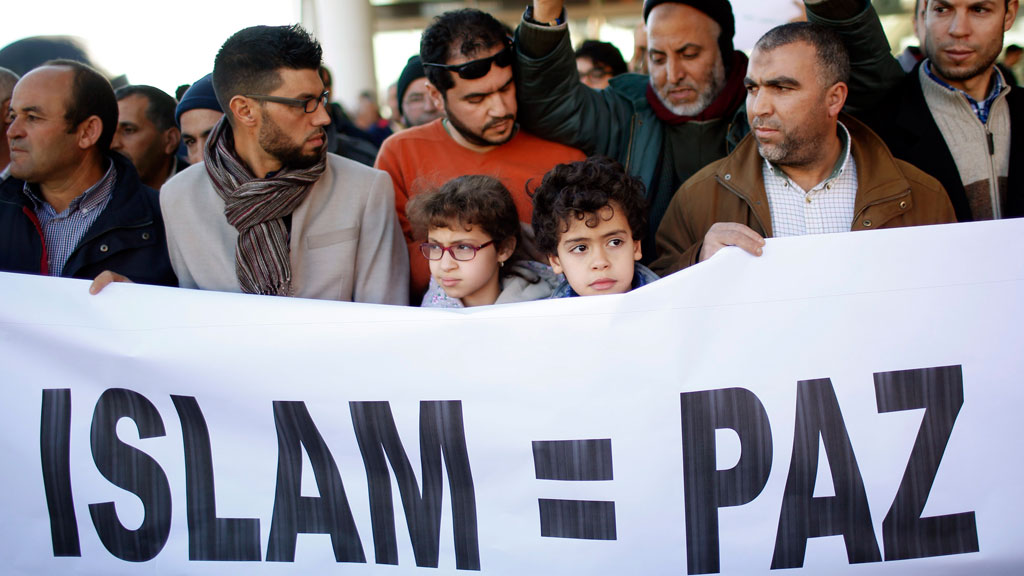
{"x": 579, "y": 191}
{"x": 833, "y": 60}
{"x": 249, "y": 60}
{"x": 159, "y": 108}
{"x": 91, "y": 95}
{"x": 603, "y": 55}
{"x": 1013, "y": 49}
{"x": 467, "y": 32}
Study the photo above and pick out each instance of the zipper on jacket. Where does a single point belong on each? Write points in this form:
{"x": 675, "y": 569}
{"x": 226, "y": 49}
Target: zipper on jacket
{"x": 993, "y": 181}
{"x": 629, "y": 149}
{"x": 44, "y": 263}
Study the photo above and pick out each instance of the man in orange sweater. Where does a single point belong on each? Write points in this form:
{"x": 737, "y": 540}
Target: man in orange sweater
{"x": 467, "y": 58}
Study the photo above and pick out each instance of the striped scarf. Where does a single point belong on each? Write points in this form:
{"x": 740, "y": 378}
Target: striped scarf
{"x": 256, "y": 207}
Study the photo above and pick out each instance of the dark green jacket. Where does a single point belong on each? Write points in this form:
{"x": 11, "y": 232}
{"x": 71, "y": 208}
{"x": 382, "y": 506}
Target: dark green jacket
{"x": 617, "y": 122}
{"x": 620, "y": 123}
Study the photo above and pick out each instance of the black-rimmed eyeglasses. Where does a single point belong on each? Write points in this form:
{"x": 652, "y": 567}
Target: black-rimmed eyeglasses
{"x": 460, "y": 252}
{"x": 308, "y": 105}
{"x": 479, "y": 68}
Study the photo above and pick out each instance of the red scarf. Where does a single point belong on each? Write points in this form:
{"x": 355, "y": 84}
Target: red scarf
{"x": 725, "y": 104}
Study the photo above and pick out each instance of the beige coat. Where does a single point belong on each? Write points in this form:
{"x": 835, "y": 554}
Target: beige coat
{"x": 345, "y": 239}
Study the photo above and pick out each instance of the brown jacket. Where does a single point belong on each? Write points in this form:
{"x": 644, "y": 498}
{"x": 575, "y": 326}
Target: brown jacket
{"x": 890, "y": 194}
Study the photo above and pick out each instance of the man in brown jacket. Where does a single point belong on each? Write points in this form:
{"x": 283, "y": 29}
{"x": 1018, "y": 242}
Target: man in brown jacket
{"x": 804, "y": 169}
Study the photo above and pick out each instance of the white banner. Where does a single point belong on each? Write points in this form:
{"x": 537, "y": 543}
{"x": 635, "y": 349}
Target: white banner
{"x": 845, "y": 404}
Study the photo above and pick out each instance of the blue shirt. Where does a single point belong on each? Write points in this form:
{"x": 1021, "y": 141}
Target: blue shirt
{"x": 62, "y": 232}
{"x": 981, "y": 109}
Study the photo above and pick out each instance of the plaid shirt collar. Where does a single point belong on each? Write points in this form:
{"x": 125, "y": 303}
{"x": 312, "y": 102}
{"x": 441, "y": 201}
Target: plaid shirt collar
{"x": 981, "y": 109}
{"x": 96, "y": 194}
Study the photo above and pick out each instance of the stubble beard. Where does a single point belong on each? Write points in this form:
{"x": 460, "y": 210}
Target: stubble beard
{"x": 986, "y": 61}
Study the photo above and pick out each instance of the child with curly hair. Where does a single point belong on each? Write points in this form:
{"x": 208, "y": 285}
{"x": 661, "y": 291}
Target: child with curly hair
{"x": 589, "y": 217}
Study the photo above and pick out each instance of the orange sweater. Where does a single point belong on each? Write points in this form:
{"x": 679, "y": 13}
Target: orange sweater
{"x": 425, "y": 157}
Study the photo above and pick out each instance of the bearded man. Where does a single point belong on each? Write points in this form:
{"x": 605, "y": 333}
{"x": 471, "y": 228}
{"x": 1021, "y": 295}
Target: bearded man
{"x": 664, "y": 127}
{"x": 467, "y": 58}
{"x": 805, "y": 169}
{"x": 270, "y": 211}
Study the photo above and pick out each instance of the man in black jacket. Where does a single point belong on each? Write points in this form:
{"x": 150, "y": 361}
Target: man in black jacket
{"x": 953, "y": 116}
{"x": 70, "y": 206}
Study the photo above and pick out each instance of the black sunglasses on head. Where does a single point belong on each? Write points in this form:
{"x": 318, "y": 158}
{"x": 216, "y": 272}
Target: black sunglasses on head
{"x": 479, "y": 68}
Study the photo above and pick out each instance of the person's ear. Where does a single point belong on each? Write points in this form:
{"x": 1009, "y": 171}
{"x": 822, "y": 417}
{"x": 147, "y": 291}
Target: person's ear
{"x": 244, "y": 110}
{"x": 556, "y": 264}
{"x": 1011, "y": 15}
{"x": 89, "y": 132}
{"x": 637, "y": 254}
{"x": 172, "y": 138}
{"x": 835, "y": 98}
{"x": 506, "y": 249}
{"x": 435, "y": 95}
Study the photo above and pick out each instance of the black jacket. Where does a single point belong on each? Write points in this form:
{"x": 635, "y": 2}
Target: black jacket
{"x": 128, "y": 236}
{"x": 905, "y": 122}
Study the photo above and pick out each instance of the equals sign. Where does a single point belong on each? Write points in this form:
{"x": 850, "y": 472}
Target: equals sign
{"x": 575, "y": 461}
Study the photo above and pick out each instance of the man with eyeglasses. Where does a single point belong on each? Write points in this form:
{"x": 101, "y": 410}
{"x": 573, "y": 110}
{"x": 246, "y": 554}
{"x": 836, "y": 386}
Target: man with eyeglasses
{"x": 467, "y": 57}
{"x": 270, "y": 211}
{"x": 598, "y": 62}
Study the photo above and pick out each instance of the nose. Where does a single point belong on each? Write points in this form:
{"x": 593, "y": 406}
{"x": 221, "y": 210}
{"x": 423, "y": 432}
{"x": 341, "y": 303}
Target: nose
{"x": 960, "y": 26}
{"x": 116, "y": 144}
{"x": 674, "y": 70}
{"x": 599, "y": 259}
{"x": 448, "y": 262}
{"x": 498, "y": 107}
{"x": 16, "y": 128}
{"x": 758, "y": 103}
{"x": 320, "y": 116}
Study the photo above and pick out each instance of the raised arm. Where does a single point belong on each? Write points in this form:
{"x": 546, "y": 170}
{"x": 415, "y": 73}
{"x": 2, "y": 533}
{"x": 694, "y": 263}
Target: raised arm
{"x": 553, "y": 104}
{"x": 873, "y": 69}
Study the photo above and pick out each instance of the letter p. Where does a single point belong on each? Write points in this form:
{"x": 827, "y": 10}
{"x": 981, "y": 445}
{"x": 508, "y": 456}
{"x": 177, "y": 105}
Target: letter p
{"x": 705, "y": 488}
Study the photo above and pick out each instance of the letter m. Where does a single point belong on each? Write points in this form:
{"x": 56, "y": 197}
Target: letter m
{"x": 441, "y": 432}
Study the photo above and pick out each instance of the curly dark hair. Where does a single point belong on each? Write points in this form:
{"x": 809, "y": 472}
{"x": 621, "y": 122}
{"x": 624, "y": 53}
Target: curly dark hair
{"x": 467, "y": 201}
{"x": 580, "y": 191}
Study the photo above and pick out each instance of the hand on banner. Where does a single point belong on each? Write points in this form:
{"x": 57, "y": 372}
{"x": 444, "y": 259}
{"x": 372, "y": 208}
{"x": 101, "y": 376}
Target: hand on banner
{"x": 724, "y": 234}
{"x": 106, "y": 277}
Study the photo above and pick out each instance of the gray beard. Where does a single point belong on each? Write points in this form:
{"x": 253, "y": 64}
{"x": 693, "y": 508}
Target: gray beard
{"x": 706, "y": 97}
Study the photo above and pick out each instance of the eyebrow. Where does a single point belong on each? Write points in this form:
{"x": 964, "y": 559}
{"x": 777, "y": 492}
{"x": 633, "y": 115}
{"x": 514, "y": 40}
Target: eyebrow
{"x": 483, "y": 94}
{"x": 776, "y": 81}
{"x": 128, "y": 124}
{"x": 682, "y": 48}
{"x": 619, "y": 232}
